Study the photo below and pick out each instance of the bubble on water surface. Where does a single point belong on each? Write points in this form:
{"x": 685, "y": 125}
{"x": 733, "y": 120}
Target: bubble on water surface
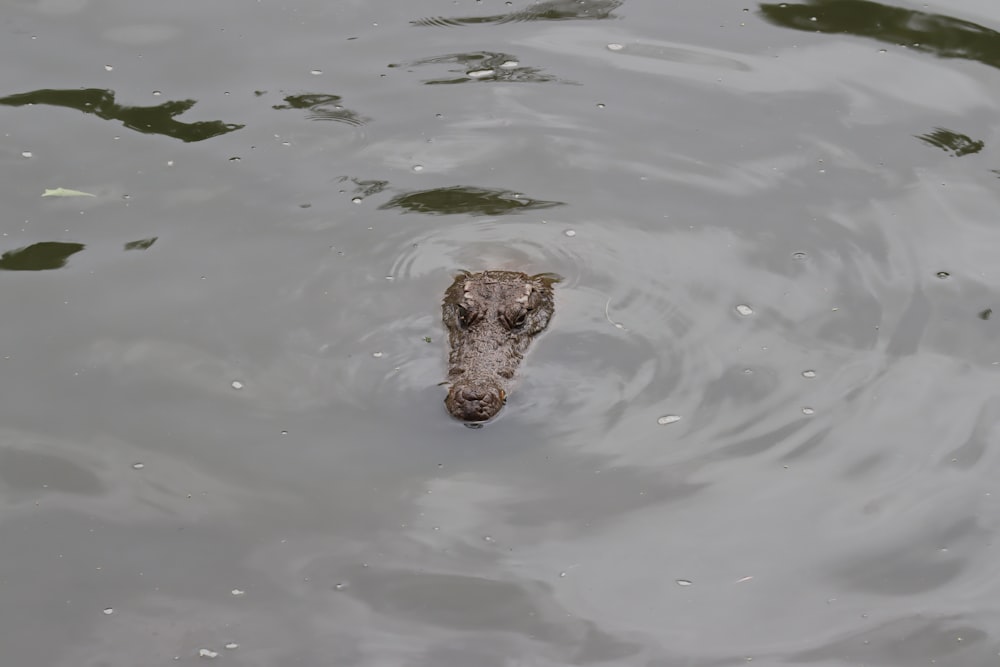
{"x": 808, "y": 411}
{"x": 138, "y": 466}
{"x": 237, "y": 385}
{"x": 615, "y": 47}
{"x": 418, "y": 167}
{"x": 480, "y": 73}
{"x": 237, "y": 592}
{"x": 509, "y": 64}
{"x": 684, "y": 582}
{"x": 108, "y": 68}
{"x": 108, "y": 611}
{"x": 668, "y": 419}
{"x": 232, "y": 645}
{"x": 206, "y": 653}
{"x": 799, "y": 256}
{"x": 357, "y": 200}
{"x": 570, "y": 232}
{"x": 808, "y": 374}
{"x": 744, "y": 310}
{"x": 316, "y": 72}
{"x": 27, "y": 154}
{"x": 377, "y": 355}
{"x": 943, "y": 274}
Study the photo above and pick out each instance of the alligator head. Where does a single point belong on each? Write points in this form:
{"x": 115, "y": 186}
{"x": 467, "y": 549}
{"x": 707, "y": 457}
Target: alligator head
{"x": 491, "y": 318}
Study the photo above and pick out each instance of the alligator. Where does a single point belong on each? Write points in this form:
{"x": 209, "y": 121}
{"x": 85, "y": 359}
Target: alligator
{"x": 491, "y": 317}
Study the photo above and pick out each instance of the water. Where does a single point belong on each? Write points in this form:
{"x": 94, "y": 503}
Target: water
{"x": 219, "y": 310}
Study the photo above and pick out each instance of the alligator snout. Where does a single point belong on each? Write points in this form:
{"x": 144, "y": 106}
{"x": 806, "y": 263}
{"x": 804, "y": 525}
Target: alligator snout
{"x": 491, "y": 318}
{"x": 475, "y": 403}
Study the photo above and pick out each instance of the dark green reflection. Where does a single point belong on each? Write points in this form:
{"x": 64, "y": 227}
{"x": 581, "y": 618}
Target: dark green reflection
{"x": 953, "y": 142}
{"x": 141, "y": 244}
{"x": 148, "y": 120}
{"x": 483, "y": 66}
{"x": 549, "y": 10}
{"x": 39, "y": 256}
{"x": 941, "y": 35}
{"x": 466, "y": 200}
{"x": 322, "y": 106}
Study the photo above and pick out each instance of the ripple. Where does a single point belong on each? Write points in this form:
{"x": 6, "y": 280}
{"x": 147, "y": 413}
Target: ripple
{"x": 548, "y": 10}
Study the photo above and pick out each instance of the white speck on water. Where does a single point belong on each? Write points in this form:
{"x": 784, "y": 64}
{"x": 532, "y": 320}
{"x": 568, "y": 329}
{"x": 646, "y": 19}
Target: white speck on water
{"x": 488, "y": 538}
{"x": 684, "y": 582}
{"x": 157, "y": 93}
{"x": 418, "y": 167}
{"x": 668, "y": 419}
{"x": 357, "y": 200}
{"x": 509, "y": 64}
{"x": 232, "y": 645}
{"x": 108, "y": 611}
{"x": 798, "y": 256}
{"x": 570, "y": 232}
{"x": 808, "y": 411}
{"x": 600, "y": 105}
{"x": 237, "y": 592}
{"x": 284, "y": 433}
{"x": 108, "y": 68}
{"x": 882, "y": 51}
{"x": 27, "y": 154}
{"x": 237, "y": 384}
{"x": 480, "y": 73}
{"x": 340, "y": 586}
{"x": 205, "y": 653}
{"x": 744, "y": 310}
{"x": 138, "y": 466}
{"x": 316, "y": 72}
{"x": 808, "y": 374}
{"x": 615, "y": 47}
{"x": 377, "y": 355}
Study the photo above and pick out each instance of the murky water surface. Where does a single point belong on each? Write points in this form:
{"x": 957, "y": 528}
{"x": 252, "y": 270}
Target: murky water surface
{"x": 763, "y": 423}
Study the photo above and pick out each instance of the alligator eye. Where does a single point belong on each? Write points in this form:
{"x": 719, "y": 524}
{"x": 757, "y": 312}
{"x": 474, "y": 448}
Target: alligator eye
{"x": 519, "y": 321}
{"x": 463, "y": 316}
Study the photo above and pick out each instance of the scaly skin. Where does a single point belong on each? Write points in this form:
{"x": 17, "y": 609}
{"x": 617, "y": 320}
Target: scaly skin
{"x": 491, "y": 318}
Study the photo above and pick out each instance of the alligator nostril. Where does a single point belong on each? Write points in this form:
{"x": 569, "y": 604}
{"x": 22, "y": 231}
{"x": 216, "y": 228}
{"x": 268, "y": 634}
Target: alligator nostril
{"x": 470, "y": 394}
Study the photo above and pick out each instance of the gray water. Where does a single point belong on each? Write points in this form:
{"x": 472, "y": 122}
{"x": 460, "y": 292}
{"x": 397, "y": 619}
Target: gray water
{"x": 221, "y": 428}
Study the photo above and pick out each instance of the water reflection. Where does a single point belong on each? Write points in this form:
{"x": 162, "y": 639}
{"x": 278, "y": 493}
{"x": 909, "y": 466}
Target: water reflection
{"x": 157, "y": 119}
{"x": 944, "y": 36}
{"x": 522, "y": 607}
{"x": 460, "y": 199}
{"x": 953, "y": 142}
{"x": 322, "y": 106}
{"x": 141, "y": 244}
{"x": 39, "y": 256}
{"x": 484, "y": 66}
{"x": 551, "y": 10}
{"x": 365, "y": 188}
